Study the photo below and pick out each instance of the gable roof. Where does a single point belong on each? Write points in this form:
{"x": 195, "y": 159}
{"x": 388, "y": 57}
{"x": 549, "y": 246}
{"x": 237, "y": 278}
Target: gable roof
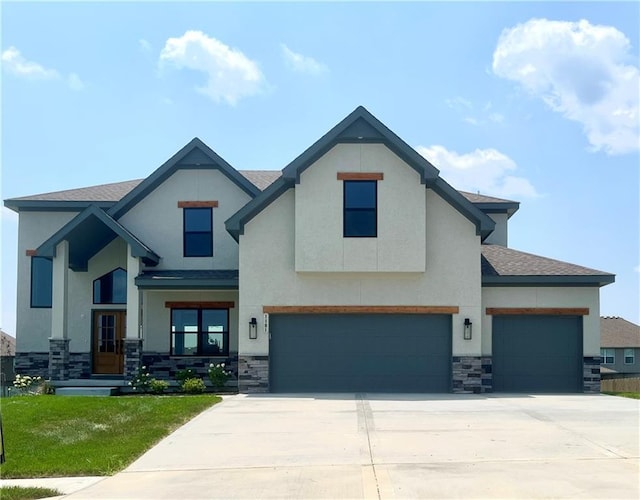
{"x": 618, "y": 332}
{"x": 195, "y": 155}
{"x": 360, "y": 127}
{"x": 502, "y": 266}
{"x": 89, "y": 232}
{"x": 7, "y": 344}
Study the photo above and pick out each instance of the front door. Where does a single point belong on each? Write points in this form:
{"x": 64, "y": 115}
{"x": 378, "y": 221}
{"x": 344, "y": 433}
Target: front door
{"x": 108, "y": 332}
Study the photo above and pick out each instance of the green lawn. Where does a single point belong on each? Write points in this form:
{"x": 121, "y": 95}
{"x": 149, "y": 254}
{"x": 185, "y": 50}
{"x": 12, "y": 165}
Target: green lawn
{"x": 22, "y": 493}
{"x": 632, "y": 395}
{"x": 47, "y": 436}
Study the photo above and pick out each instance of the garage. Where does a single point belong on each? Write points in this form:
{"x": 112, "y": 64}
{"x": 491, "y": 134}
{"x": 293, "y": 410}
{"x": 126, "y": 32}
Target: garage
{"x": 537, "y": 354}
{"x": 360, "y": 353}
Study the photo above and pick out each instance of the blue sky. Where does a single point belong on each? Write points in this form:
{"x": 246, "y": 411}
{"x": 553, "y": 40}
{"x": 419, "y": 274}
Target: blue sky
{"x": 536, "y": 102}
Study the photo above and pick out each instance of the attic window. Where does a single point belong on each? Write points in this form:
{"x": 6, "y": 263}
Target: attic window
{"x": 111, "y": 288}
{"x": 360, "y": 216}
{"x": 198, "y": 232}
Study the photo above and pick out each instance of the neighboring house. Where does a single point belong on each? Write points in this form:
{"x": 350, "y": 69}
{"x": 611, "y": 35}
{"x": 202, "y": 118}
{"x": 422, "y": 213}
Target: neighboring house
{"x": 7, "y": 353}
{"x": 7, "y": 344}
{"x": 356, "y": 268}
{"x": 620, "y": 347}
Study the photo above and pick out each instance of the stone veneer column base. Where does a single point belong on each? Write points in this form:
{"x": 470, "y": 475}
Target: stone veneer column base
{"x": 253, "y": 374}
{"x": 591, "y": 374}
{"x": 132, "y": 357}
{"x": 58, "y": 359}
{"x": 472, "y": 374}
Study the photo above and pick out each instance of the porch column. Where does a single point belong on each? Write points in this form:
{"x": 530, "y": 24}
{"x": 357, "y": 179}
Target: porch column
{"x": 58, "y": 342}
{"x": 133, "y": 338}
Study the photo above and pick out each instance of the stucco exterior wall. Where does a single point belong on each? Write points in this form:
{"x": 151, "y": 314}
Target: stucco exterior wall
{"x": 545, "y": 297}
{"x": 500, "y": 235}
{"x": 158, "y": 221}
{"x": 451, "y": 277}
{"x": 156, "y": 318}
{"x": 33, "y": 325}
{"x": 319, "y": 242}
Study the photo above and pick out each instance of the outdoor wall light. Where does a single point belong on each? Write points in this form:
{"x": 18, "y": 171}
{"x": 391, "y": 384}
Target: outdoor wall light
{"x": 467, "y": 329}
{"x": 253, "y": 328}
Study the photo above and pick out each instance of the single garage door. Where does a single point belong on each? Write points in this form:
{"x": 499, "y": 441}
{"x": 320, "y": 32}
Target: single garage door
{"x": 360, "y": 353}
{"x": 537, "y": 354}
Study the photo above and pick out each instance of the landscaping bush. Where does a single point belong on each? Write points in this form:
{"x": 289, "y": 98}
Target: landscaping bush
{"x": 141, "y": 381}
{"x": 158, "y": 386}
{"x": 193, "y": 386}
{"x": 184, "y": 374}
{"x": 218, "y": 375}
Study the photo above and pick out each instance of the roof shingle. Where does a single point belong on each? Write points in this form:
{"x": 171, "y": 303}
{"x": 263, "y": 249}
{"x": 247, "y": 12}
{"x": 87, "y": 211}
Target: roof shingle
{"x": 618, "y": 332}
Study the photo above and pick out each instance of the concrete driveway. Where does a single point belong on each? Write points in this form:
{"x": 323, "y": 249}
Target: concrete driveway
{"x": 389, "y": 446}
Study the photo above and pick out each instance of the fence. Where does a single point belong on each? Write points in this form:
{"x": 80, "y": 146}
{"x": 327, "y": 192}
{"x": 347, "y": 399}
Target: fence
{"x": 620, "y": 385}
{"x": 7, "y": 373}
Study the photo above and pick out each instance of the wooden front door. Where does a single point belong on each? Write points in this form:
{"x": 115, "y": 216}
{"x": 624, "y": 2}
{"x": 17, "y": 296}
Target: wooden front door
{"x": 108, "y": 334}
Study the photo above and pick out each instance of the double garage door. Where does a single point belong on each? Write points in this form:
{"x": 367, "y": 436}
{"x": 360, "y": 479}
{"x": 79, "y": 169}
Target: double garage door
{"x": 360, "y": 353}
{"x": 537, "y": 354}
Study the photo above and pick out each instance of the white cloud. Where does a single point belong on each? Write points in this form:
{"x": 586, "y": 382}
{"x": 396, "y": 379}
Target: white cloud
{"x": 14, "y": 62}
{"x": 485, "y": 170}
{"x": 585, "y": 72}
{"x": 302, "y": 64}
{"x": 230, "y": 74}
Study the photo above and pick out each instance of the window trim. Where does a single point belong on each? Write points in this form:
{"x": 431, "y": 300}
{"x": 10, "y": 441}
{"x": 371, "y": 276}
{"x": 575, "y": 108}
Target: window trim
{"x": 374, "y": 182}
{"x": 93, "y": 289}
{"x": 200, "y": 332}
{"x": 633, "y": 356}
{"x": 31, "y": 281}
{"x": 185, "y": 232}
{"x": 604, "y": 354}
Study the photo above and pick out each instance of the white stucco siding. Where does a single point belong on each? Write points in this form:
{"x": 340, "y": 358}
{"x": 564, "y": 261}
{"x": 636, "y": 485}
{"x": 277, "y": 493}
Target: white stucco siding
{"x": 500, "y": 235}
{"x": 569, "y": 297}
{"x": 156, "y": 317}
{"x": 158, "y": 221}
{"x": 268, "y": 275}
{"x": 33, "y": 325}
{"x": 400, "y": 242}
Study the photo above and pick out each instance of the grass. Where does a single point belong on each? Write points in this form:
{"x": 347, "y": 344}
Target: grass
{"x": 632, "y": 395}
{"x": 48, "y": 436}
{"x": 22, "y": 493}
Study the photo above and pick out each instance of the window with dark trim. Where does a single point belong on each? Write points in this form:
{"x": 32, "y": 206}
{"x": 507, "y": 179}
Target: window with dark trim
{"x": 199, "y": 332}
{"x": 198, "y": 232}
{"x": 629, "y": 356}
{"x": 608, "y": 356}
{"x": 111, "y": 288}
{"x": 41, "y": 282}
{"x": 360, "y": 218}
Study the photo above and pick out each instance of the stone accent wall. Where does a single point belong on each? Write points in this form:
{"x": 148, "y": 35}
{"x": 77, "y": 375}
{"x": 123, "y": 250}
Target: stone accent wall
{"x": 591, "y": 374}
{"x": 472, "y": 374}
{"x": 79, "y": 365}
{"x": 163, "y": 366}
{"x": 253, "y": 374}
{"x": 58, "y": 359}
{"x": 132, "y": 357}
{"x": 34, "y": 364}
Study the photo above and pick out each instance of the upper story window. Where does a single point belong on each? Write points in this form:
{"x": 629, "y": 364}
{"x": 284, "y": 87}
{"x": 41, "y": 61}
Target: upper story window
{"x": 608, "y": 356}
{"x": 198, "y": 232}
{"x": 629, "y": 356}
{"x": 111, "y": 288}
{"x": 360, "y": 218}
{"x": 41, "y": 281}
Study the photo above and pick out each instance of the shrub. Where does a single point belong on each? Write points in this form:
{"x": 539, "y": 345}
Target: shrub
{"x": 158, "y": 386}
{"x": 27, "y": 385}
{"x": 141, "y": 380}
{"x": 184, "y": 374}
{"x": 193, "y": 386}
{"x": 218, "y": 375}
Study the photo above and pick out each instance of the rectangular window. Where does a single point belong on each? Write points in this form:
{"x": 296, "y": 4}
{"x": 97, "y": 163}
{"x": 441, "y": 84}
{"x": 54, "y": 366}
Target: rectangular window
{"x": 360, "y": 218}
{"x": 41, "y": 281}
{"x": 629, "y": 356}
{"x": 198, "y": 232}
{"x": 608, "y": 356}
{"x": 200, "y": 332}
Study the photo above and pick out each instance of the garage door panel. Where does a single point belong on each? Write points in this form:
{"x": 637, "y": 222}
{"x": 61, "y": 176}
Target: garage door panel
{"x": 537, "y": 354}
{"x": 360, "y": 353}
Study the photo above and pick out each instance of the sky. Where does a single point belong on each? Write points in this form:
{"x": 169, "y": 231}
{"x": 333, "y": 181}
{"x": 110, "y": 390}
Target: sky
{"x": 533, "y": 102}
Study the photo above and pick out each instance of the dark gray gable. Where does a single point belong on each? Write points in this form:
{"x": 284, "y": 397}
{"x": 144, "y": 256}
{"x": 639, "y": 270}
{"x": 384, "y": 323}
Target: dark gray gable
{"x": 88, "y": 233}
{"x": 360, "y": 127}
{"x": 195, "y": 155}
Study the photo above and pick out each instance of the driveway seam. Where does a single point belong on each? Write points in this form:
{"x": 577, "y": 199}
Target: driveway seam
{"x": 364, "y": 412}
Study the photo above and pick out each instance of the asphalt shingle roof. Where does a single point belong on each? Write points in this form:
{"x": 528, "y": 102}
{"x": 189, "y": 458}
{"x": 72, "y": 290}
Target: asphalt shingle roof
{"x": 618, "y": 332}
{"x": 502, "y": 261}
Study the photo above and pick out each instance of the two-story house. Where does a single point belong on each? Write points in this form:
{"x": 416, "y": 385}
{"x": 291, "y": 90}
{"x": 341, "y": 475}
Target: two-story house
{"x": 620, "y": 347}
{"x": 357, "y": 268}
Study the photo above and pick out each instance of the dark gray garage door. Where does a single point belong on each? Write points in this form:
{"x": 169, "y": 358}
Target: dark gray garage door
{"x": 537, "y": 353}
{"x": 360, "y": 353}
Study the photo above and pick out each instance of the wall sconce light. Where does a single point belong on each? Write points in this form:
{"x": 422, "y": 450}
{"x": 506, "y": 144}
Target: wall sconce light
{"x": 467, "y": 329}
{"x": 253, "y": 328}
